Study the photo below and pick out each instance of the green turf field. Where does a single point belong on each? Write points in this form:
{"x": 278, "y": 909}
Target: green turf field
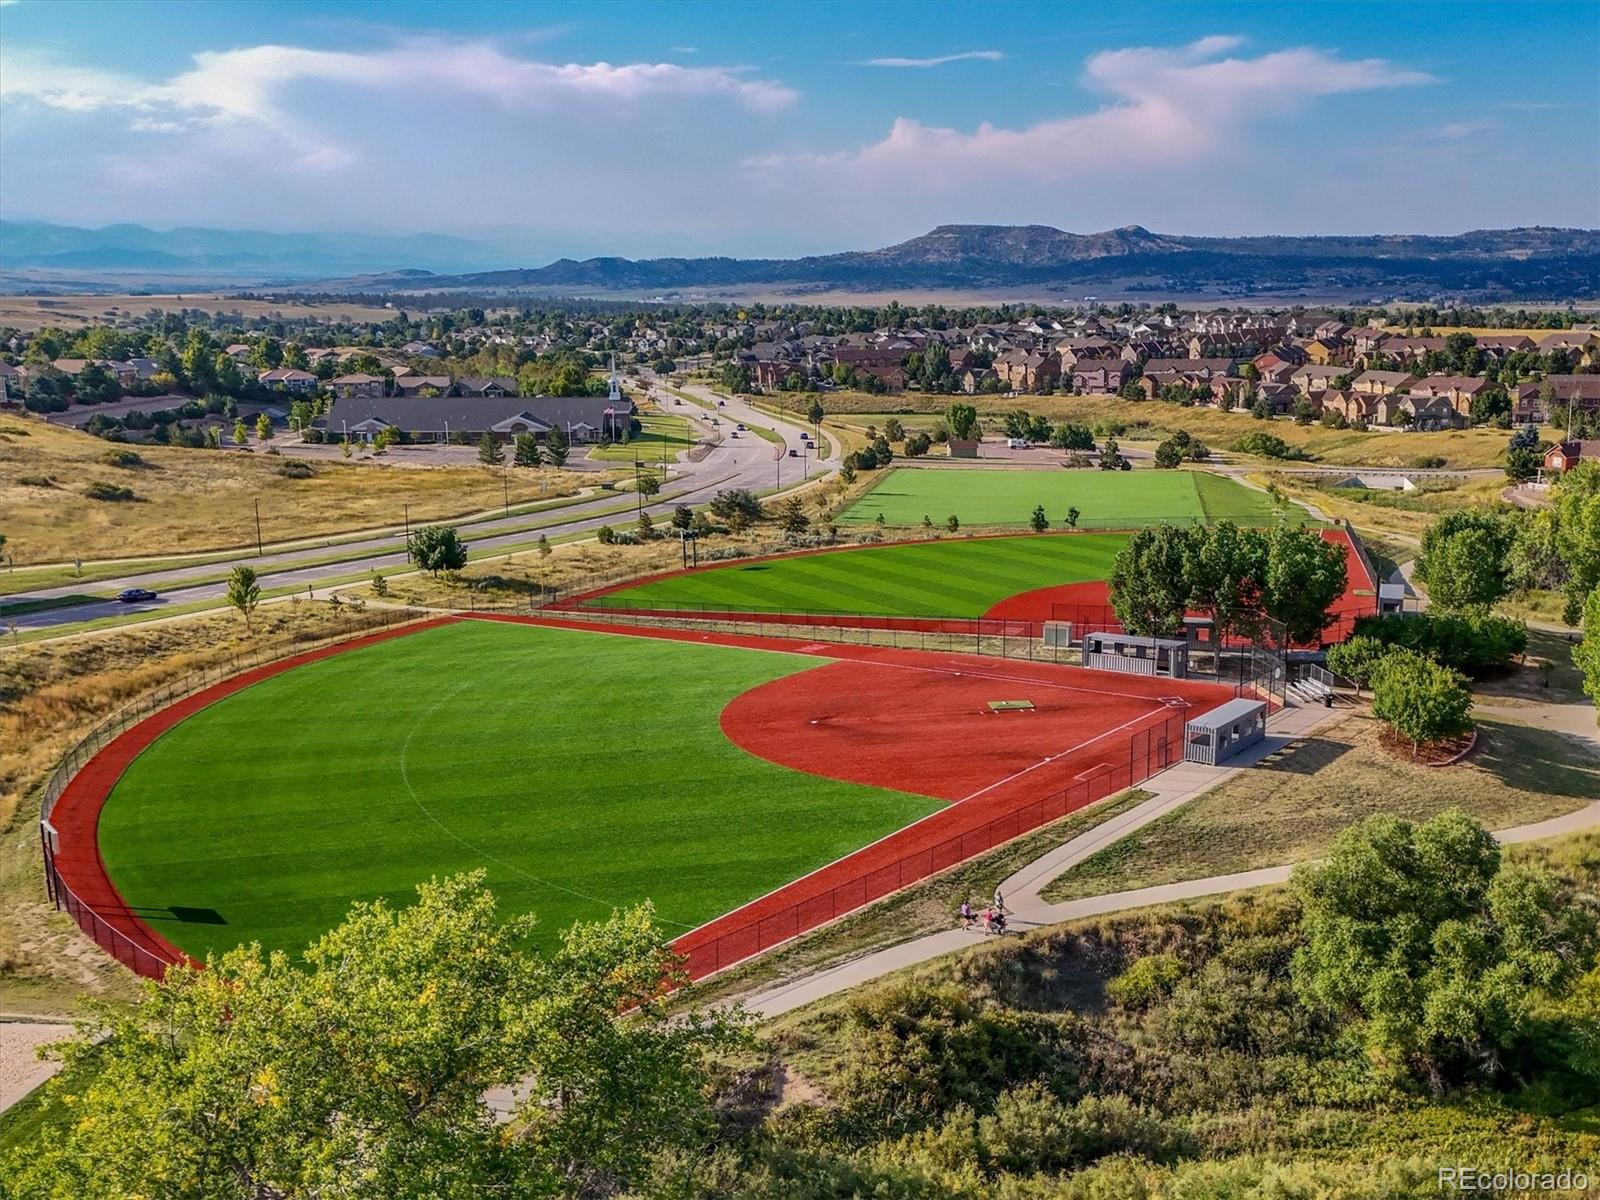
{"x": 659, "y": 434}
{"x": 582, "y": 770}
{"x": 1104, "y": 499}
{"x": 962, "y": 577}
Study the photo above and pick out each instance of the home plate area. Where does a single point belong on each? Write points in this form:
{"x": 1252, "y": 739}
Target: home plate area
{"x": 956, "y": 727}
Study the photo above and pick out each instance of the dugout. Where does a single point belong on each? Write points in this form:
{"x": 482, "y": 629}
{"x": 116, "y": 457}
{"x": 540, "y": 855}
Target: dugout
{"x": 1135, "y": 655}
{"x": 1224, "y": 731}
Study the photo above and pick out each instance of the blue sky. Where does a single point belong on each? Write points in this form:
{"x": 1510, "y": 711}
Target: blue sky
{"x": 784, "y": 128}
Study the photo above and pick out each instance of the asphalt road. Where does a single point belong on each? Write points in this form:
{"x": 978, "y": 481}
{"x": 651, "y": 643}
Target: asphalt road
{"x": 741, "y": 461}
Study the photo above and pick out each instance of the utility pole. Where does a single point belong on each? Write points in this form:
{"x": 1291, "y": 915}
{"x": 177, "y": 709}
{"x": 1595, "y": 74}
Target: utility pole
{"x": 407, "y": 507}
{"x": 505, "y": 487}
{"x": 259, "y": 550}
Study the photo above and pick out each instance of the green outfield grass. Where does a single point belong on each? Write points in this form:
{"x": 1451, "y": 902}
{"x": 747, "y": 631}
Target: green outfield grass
{"x": 581, "y": 770}
{"x": 659, "y": 434}
{"x": 1104, "y": 499}
{"x": 957, "y": 577}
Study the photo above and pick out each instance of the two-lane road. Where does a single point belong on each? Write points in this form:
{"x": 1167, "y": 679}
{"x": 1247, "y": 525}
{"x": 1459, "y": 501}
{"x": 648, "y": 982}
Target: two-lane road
{"x": 747, "y": 461}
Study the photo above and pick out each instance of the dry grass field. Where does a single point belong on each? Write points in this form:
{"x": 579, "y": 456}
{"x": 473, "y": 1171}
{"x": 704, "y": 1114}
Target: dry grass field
{"x": 196, "y": 500}
{"x": 1292, "y": 806}
{"x": 1153, "y": 420}
{"x": 28, "y": 313}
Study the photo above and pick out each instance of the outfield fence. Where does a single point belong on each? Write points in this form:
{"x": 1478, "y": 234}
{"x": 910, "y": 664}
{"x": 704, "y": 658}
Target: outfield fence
{"x": 863, "y": 877}
{"x": 94, "y": 914}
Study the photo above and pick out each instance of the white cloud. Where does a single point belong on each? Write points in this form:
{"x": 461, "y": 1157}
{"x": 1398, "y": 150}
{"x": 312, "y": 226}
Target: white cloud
{"x": 1167, "y": 107}
{"x": 965, "y": 56}
{"x": 257, "y": 85}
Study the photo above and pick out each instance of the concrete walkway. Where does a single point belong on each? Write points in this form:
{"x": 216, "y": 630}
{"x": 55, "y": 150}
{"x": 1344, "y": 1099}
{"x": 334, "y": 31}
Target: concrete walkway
{"x": 1171, "y": 789}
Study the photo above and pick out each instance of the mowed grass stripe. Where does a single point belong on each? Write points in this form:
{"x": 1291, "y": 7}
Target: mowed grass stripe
{"x": 980, "y": 496}
{"x": 580, "y": 770}
{"x": 948, "y": 578}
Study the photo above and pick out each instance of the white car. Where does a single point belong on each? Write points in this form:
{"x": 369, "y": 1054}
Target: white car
{"x": 1016, "y": 444}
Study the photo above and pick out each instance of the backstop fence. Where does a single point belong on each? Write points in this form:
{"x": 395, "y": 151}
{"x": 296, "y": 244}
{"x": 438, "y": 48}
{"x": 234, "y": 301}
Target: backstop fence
{"x": 114, "y": 941}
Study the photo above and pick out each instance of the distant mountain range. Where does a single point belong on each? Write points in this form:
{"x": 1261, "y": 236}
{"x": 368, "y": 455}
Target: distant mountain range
{"x": 244, "y": 253}
{"x": 1511, "y": 263}
{"x": 1534, "y": 263}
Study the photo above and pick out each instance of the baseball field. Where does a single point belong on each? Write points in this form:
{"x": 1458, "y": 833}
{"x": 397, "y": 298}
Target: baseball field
{"x": 985, "y": 496}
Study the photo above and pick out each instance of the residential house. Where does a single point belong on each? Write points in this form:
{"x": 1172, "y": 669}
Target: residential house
{"x": 1353, "y": 406}
{"x": 974, "y": 379}
{"x": 496, "y": 386}
{"x": 1457, "y": 390}
{"x": 1377, "y": 383}
{"x": 1580, "y": 346}
{"x": 1411, "y": 349}
{"x": 420, "y": 350}
{"x": 1327, "y": 351}
{"x": 1028, "y": 370}
{"x": 1426, "y": 412}
{"x": 886, "y": 365}
{"x": 287, "y": 379}
{"x": 1531, "y": 406}
{"x": 1317, "y": 377}
{"x": 240, "y": 352}
{"x": 1565, "y": 455}
{"x": 1280, "y": 397}
{"x": 412, "y": 384}
{"x": 1497, "y": 346}
{"x": 1100, "y": 376}
{"x": 357, "y": 385}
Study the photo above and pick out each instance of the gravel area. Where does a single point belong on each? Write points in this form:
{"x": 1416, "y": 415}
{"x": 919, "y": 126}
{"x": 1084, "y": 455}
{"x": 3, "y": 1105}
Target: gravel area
{"x": 20, "y": 1068}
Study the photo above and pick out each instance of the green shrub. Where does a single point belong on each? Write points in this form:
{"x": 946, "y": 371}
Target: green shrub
{"x": 121, "y": 458}
{"x": 1267, "y": 445}
{"x": 1473, "y": 643}
{"x": 1146, "y": 980}
{"x": 99, "y": 489}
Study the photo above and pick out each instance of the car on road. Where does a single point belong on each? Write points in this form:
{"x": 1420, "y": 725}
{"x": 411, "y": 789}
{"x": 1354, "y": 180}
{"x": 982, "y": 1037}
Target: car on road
{"x": 794, "y": 454}
{"x": 722, "y": 404}
{"x": 740, "y": 427}
{"x": 134, "y": 595}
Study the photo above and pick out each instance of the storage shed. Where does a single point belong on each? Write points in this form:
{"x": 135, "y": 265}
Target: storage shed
{"x": 1224, "y": 731}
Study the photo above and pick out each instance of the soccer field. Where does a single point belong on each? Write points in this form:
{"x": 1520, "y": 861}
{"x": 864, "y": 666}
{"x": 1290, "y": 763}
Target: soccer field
{"x": 1104, "y": 499}
{"x": 962, "y": 577}
{"x": 581, "y": 770}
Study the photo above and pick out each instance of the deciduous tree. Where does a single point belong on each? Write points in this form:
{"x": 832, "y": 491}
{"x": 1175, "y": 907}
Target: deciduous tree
{"x": 243, "y": 593}
{"x": 436, "y": 548}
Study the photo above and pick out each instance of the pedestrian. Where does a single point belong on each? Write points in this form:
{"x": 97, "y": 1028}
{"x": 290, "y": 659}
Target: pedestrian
{"x": 999, "y": 900}
{"x": 966, "y": 913}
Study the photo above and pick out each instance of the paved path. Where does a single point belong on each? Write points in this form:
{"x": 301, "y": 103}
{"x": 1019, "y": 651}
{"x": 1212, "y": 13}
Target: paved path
{"x": 21, "y": 1070}
{"x": 1171, "y": 789}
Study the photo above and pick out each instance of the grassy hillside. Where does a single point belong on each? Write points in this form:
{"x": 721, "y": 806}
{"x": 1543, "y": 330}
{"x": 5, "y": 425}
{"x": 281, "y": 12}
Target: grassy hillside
{"x": 1153, "y": 419}
{"x": 195, "y": 500}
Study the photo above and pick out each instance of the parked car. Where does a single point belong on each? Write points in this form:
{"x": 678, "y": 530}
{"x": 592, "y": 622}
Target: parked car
{"x": 1016, "y": 443}
{"x": 134, "y": 595}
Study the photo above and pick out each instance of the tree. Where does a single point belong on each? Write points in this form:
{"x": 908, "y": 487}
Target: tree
{"x": 263, "y": 428}
{"x": 1419, "y": 699}
{"x": 1355, "y": 658}
{"x": 953, "y": 523}
{"x": 1534, "y": 560}
{"x": 525, "y": 452}
{"x": 436, "y": 548}
{"x": 739, "y": 507}
{"x": 244, "y": 593}
{"x": 361, "y": 1071}
{"x": 1039, "y": 521}
{"x": 1304, "y": 576}
{"x": 1072, "y": 437}
{"x": 683, "y": 517}
{"x": 556, "y": 446}
{"x": 647, "y": 527}
{"x": 792, "y": 516}
{"x": 1467, "y": 570}
{"x": 1496, "y": 535}
{"x": 893, "y": 430}
{"x": 1111, "y": 456}
{"x": 962, "y": 420}
{"x": 1578, "y": 534}
{"x": 816, "y": 412}
{"x": 1149, "y": 581}
{"x": 1433, "y": 952}
{"x": 1587, "y": 652}
{"x": 1225, "y": 575}
{"x": 490, "y": 452}
{"x": 1072, "y": 517}
{"x": 1168, "y": 454}
{"x": 648, "y": 483}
